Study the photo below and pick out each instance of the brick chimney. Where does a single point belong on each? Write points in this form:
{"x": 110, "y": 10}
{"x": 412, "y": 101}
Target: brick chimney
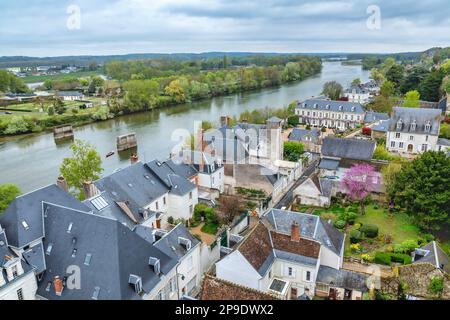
{"x": 134, "y": 158}
{"x": 58, "y": 284}
{"x": 295, "y": 232}
{"x": 62, "y": 183}
{"x": 89, "y": 190}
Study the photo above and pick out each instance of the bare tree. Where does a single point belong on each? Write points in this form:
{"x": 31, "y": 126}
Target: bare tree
{"x": 229, "y": 208}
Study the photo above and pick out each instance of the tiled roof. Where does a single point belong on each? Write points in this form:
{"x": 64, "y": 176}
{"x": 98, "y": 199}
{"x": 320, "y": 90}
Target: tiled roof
{"x": 303, "y": 247}
{"x": 218, "y": 289}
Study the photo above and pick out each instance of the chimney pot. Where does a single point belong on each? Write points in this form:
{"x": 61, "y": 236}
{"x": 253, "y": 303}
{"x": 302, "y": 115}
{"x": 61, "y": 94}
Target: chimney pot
{"x": 58, "y": 284}
{"x": 62, "y": 183}
{"x": 134, "y": 158}
{"x": 295, "y": 232}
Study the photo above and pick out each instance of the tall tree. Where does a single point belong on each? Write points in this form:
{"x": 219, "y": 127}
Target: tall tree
{"x": 387, "y": 89}
{"x": 412, "y": 99}
{"x": 359, "y": 183}
{"x": 421, "y": 187}
{"x": 293, "y": 150}
{"x": 332, "y": 90}
{"x": 395, "y": 74}
{"x": 8, "y": 192}
{"x": 430, "y": 87}
{"x": 84, "y": 165}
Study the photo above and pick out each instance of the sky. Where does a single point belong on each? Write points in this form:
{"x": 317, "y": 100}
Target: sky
{"x": 105, "y": 27}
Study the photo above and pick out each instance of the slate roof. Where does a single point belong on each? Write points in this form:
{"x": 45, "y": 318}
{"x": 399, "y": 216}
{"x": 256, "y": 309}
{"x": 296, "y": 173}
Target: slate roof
{"x": 382, "y": 126}
{"x": 176, "y": 184}
{"x": 116, "y": 253}
{"x": 443, "y": 104}
{"x": 342, "y": 278}
{"x": 348, "y": 148}
{"x": 311, "y": 227}
{"x": 433, "y": 254}
{"x": 218, "y": 289}
{"x": 304, "y": 135}
{"x": 420, "y": 116}
{"x": 183, "y": 169}
{"x": 330, "y": 105}
{"x": 443, "y": 142}
{"x": 193, "y": 159}
{"x": 28, "y": 208}
{"x": 35, "y": 257}
{"x": 170, "y": 245}
{"x": 359, "y": 89}
{"x": 70, "y": 94}
{"x": 329, "y": 164}
{"x": 375, "y": 116}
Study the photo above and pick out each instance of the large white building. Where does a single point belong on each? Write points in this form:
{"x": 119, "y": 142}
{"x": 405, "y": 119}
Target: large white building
{"x": 413, "y": 130}
{"x": 358, "y": 94}
{"x": 292, "y": 255}
{"x": 341, "y": 115}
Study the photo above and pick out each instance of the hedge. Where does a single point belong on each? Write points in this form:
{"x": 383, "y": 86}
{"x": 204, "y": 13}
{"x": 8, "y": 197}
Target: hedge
{"x": 383, "y": 258}
{"x": 355, "y": 236}
{"x": 370, "y": 230}
{"x": 401, "y": 258}
{"x": 340, "y": 224}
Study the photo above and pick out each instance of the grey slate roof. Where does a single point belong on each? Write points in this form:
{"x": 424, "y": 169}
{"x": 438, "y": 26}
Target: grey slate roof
{"x": 28, "y": 208}
{"x": 443, "y": 104}
{"x": 359, "y": 89}
{"x": 353, "y": 149}
{"x": 311, "y": 227}
{"x": 35, "y": 258}
{"x": 329, "y": 164}
{"x": 304, "y": 135}
{"x": 433, "y": 254}
{"x": 169, "y": 243}
{"x": 116, "y": 251}
{"x": 288, "y": 256}
{"x": 342, "y": 279}
{"x": 173, "y": 182}
{"x": 330, "y": 105}
{"x": 70, "y": 94}
{"x": 443, "y": 142}
{"x": 420, "y": 116}
{"x": 382, "y": 126}
{"x": 375, "y": 116}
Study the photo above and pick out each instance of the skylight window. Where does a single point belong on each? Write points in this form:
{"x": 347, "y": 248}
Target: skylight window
{"x": 99, "y": 203}
{"x": 49, "y": 249}
{"x": 25, "y": 225}
{"x": 87, "y": 259}
{"x": 74, "y": 253}
{"x": 69, "y": 228}
{"x": 96, "y": 293}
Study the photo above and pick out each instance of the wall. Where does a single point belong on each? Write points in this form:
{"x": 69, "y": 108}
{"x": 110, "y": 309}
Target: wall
{"x": 161, "y": 206}
{"x": 329, "y": 258}
{"x": 208, "y": 256}
{"x": 418, "y": 140}
{"x": 162, "y": 285}
{"x": 213, "y": 181}
{"x": 189, "y": 267}
{"x": 179, "y": 206}
{"x": 298, "y": 279}
{"x": 28, "y": 285}
{"x": 235, "y": 268}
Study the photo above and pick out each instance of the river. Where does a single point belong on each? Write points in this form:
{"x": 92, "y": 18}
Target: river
{"x": 33, "y": 161}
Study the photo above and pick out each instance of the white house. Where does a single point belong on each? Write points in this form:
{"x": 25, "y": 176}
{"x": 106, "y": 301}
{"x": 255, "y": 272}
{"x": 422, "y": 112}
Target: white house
{"x": 358, "y": 94}
{"x": 413, "y": 130}
{"x": 314, "y": 191}
{"x": 284, "y": 255}
{"x": 17, "y": 279}
{"x": 70, "y": 95}
{"x": 331, "y": 114}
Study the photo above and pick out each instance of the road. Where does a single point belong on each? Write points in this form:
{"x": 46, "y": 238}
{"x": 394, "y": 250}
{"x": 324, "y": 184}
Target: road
{"x": 288, "y": 198}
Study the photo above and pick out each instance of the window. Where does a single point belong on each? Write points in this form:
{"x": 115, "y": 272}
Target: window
{"x": 157, "y": 205}
{"x": 270, "y": 274}
{"x": 87, "y": 259}
{"x": 190, "y": 195}
{"x": 397, "y": 135}
{"x": 308, "y": 276}
{"x": 428, "y": 127}
{"x": 351, "y": 117}
{"x": 399, "y": 124}
{"x": 314, "y": 114}
{"x": 400, "y": 145}
{"x": 20, "y": 294}
{"x": 99, "y": 203}
{"x": 411, "y": 138}
{"x": 14, "y": 271}
{"x": 413, "y": 126}
{"x": 424, "y": 147}
{"x": 392, "y": 144}
{"x": 426, "y": 138}
{"x": 290, "y": 271}
{"x": 358, "y": 118}
{"x": 49, "y": 249}
{"x": 191, "y": 209}
{"x": 164, "y": 200}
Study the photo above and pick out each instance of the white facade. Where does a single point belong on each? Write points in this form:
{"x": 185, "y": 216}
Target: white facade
{"x": 329, "y": 119}
{"x": 167, "y": 289}
{"x": 410, "y": 142}
{"x": 182, "y": 207}
{"x": 17, "y": 285}
{"x": 189, "y": 275}
{"x": 362, "y": 97}
{"x": 215, "y": 180}
{"x": 308, "y": 193}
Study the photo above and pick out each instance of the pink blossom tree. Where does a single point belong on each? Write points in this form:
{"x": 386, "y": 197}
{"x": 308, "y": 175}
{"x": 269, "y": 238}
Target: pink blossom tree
{"x": 359, "y": 181}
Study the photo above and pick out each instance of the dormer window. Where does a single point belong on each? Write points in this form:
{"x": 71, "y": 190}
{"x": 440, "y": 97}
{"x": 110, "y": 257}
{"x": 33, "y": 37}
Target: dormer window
{"x": 428, "y": 127}
{"x": 399, "y": 124}
{"x": 353, "y": 109}
{"x": 328, "y": 107}
{"x": 340, "y": 108}
{"x": 316, "y": 105}
{"x": 186, "y": 243}
{"x": 413, "y": 126}
{"x": 136, "y": 282}
{"x": 155, "y": 264}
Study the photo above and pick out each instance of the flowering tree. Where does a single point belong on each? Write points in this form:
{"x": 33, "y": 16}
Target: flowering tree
{"x": 359, "y": 181}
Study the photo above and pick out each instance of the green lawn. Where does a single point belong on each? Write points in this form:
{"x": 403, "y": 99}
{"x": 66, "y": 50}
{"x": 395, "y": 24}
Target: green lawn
{"x": 63, "y": 76}
{"x": 210, "y": 228}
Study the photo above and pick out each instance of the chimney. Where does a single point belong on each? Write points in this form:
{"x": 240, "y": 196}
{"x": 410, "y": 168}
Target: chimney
{"x": 295, "y": 232}
{"x": 224, "y": 121}
{"x": 62, "y": 183}
{"x": 134, "y": 158}
{"x": 58, "y": 284}
{"x": 89, "y": 189}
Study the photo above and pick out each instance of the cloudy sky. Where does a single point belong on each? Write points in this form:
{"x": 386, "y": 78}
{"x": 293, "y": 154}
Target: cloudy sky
{"x": 54, "y": 27}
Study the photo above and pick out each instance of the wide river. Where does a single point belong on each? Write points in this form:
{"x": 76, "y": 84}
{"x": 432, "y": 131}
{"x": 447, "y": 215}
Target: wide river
{"x": 33, "y": 161}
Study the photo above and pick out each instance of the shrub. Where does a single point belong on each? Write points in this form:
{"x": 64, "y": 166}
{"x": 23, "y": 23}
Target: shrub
{"x": 328, "y": 216}
{"x": 293, "y": 121}
{"x": 351, "y": 217}
{"x": 401, "y": 258}
{"x": 367, "y": 257}
{"x": 436, "y": 285}
{"x": 340, "y": 224}
{"x": 406, "y": 246}
{"x": 382, "y": 258}
{"x": 171, "y": 220}
{"x": 355, "y": 236}
{"x": 428, "y": 237}
{"x": 356, "y": 247}
{"x": 369, "y": 230}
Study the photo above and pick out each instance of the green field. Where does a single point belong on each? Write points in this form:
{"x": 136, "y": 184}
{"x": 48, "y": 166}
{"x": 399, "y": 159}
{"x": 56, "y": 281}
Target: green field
{"x": 60, "y": 77}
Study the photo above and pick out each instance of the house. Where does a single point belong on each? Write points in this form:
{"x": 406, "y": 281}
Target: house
{"x": 70, "y": 95}
{"x": 314, "y": 191}
{"x": 78, "y": 255}
{"x": 141, "y": 192}
{"x": 311, "y": 139}
{"x": 443, "y": 145}
{"x": 341, "y": 115}
{"x": 218, "y": 289}
{"x": 380, "y": 129}
{"x": 413, "y": 130}
{"x": 375, "y": 117}
{"x": 283, "y": 253}
{"x": 17, "y": 279}
{"x": 358, "y": 94}
{"x": 179, "y": 244}
{"x": 432, "y": 253}
{"x": 340, "y": 284}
